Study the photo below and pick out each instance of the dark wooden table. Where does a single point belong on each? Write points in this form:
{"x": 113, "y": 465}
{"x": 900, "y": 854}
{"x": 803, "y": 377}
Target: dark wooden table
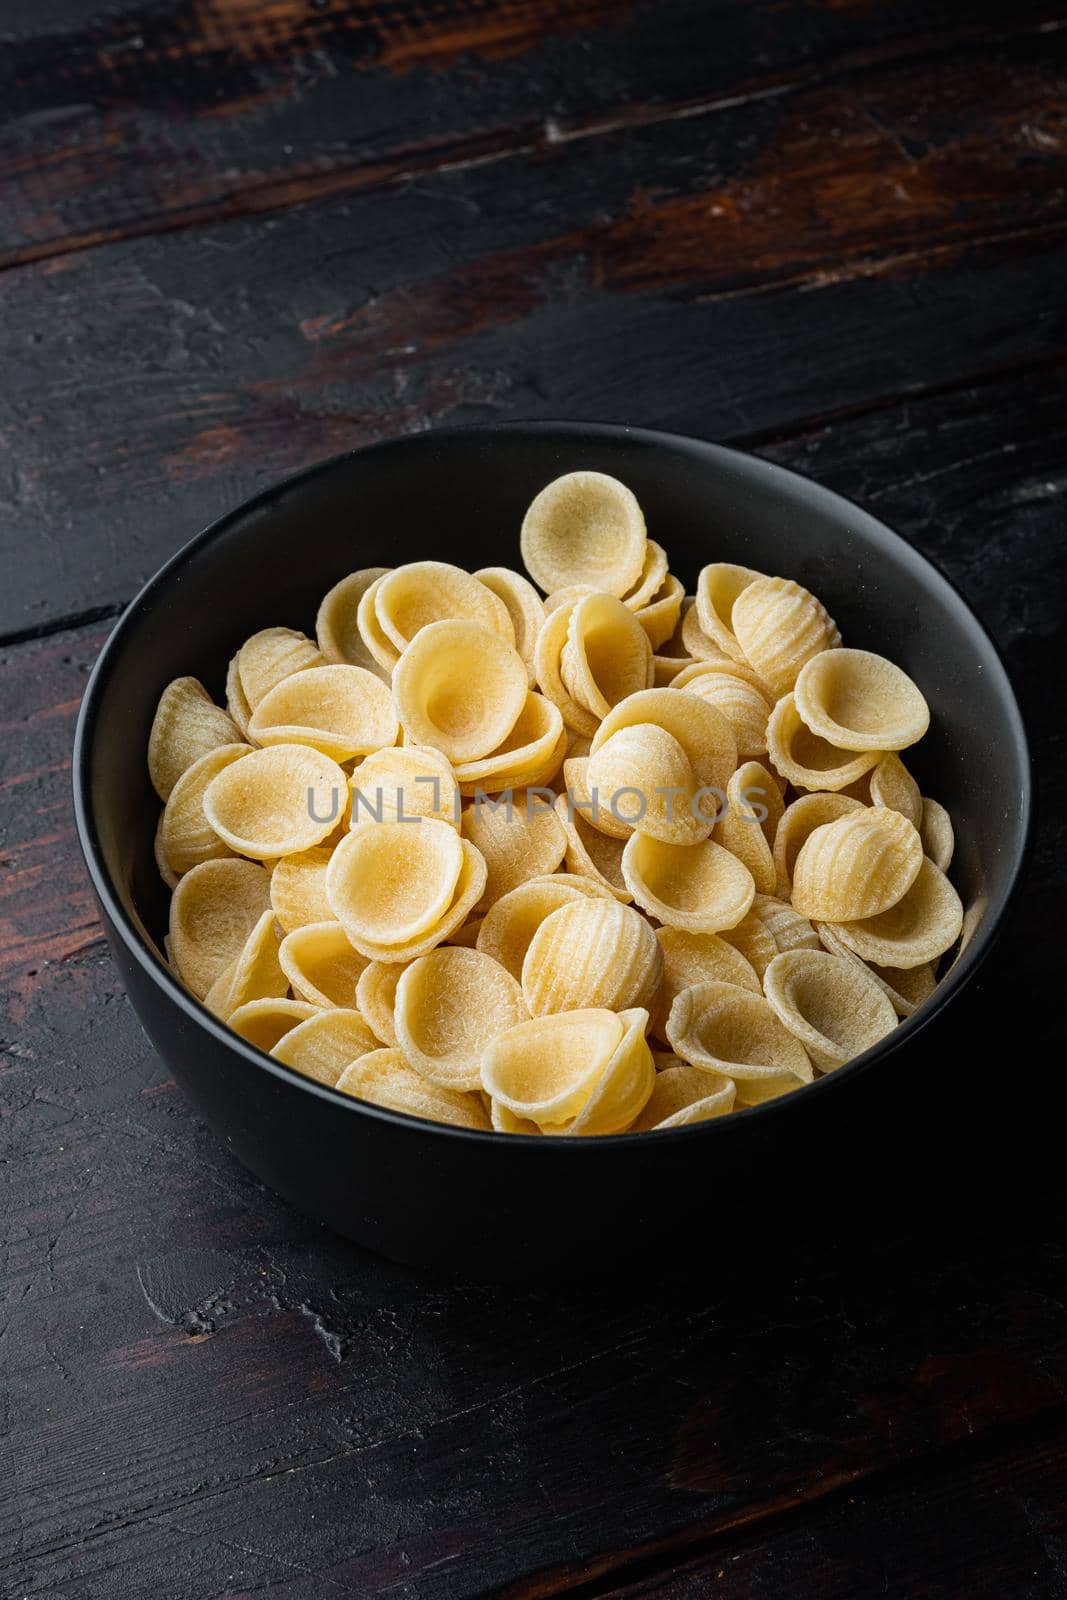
{"x": 238, "y": 235}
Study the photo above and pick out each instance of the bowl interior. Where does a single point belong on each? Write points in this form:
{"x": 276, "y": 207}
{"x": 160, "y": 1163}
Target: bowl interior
{"x": 460, "y": 496}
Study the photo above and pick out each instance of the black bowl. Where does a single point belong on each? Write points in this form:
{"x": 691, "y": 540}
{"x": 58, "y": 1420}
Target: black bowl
{"x": 497, "y": 1205}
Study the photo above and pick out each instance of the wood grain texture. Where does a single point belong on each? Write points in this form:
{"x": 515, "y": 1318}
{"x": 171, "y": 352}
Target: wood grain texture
{"x": 136, "y": 118}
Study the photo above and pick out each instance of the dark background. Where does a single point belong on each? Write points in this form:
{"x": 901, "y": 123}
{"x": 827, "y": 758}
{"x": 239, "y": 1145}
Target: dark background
{"x": 239, "y": 235}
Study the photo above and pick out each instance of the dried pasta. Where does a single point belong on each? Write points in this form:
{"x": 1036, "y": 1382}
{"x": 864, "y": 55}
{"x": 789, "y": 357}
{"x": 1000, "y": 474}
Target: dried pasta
{"x": 337, "y": 622}
{"x": 834, "y": 1007}
{"x": 584, "y": 528}
{"x": 187, "y": 725}
{"x": 276, "y": 802}
{"x": 450, "y": 1004}
{"x": 459, "y": 687}
{"x": 591, "y": 953}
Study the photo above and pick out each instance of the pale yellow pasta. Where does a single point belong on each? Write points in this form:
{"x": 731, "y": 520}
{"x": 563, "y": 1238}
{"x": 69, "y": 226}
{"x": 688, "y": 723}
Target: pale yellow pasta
{"x": 337, "y": 623}
{"x": 212, "y": 911}
{"x": 376, "y": 998}
{"x": 607, "y": 655}
{"x": 743, "y": 706}
{"x": 423, "y": 592}
{"x": 682, "y": 1095}
{"x": 321, "y": 965}
{"x": 535, "y": 746}
{"x": 671, "y": 655}
{"x": 751, "y": 816}
{"x": 779, "y": 626}
{"x": 376, "y": 642}
{"x": 271, "y": 655}
{"x": 510, "y": 923}
{"x": 622, "y": 1090}
{"x": 719, "y": 587}
{"x": 524, "y": 607}
{"x": 752, "y": 937}
{"x": 187, "y": 725}
{"x": 341, "y": 710}
{"x": 384, "y": 1078}
{"x": 591, "y": 953}
{"x": 255, "y": 974}
{"x": 597, "y": 809}
{"x": 834, "y": 1007}
{"x": 807, "y": 761}
{"x": 936, "y": 833}
{"x": 388, "y": 882}
{"x": 788, "y": 929}
{"x": 468, "y": 891}
{"x": 505, "y": 1121}
{"x": 548, "y": 659}
{"x": 170, "y": 878}
{"x": 728, "y": 1031}
{"x": 701, "y": 887}
{"x": 466, "y": 936}
{"x": 407, "y": 782}
{"x": 276, "y": 802}
{"x": 922, "y": 925}
{"x": 856, "y": 867}
{"x": 891, "y": 784}
{"x": 460, "y": 688}
{"x": 584, "y": 527}
{"x": 298, "y": 889}
{"x": 798, "y": 822}
{"x": 544, "y": 1070}
{"x": 450, "y": 1005}
{"x": 856, "y": 700}
{"x": 324, "y": 1045}
{"x": 660, "y": 617}
{"x": 702, "y": 731}
{"x": 907, "y": 987}
{"x": 263, "y": 1022}
{"x": 519, "y": 837}
{"x": 237, "y": 707}
{"x": 186, "y": 837}
{"x": 692, "y": 671}
{"x": 652, "y": 579}
{"x": 690, "y": 958}
{"x": 643, "y": 773}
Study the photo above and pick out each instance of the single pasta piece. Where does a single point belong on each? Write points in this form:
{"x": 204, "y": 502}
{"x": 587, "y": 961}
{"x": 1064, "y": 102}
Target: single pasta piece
{"x": 263, "y": 1022}
{"x": 701, "y": 887}
{"x": 519, "y": 837}
{"x": 748, "y": 824}
{"x": 715, "y": 662}
{"x": 591, "y": 953}
{"x": 780, "y": 626}
{"x": 187, "y": 725}
{"x": 703, "y": 732}
{"x": 690, "y": 958}
{"x": 324, "y": 1045}
{"x": 744, "y": 707}
{"x": 186, "y": 836}
{"x": 548, "y": 663}
{"x": 337, "y": 623}
{"x": 509, "y": 925}
{"x": 255, "y": 974}
{"x": 924, "y": 923}
{"x": 388, "y": 882}
{"x": 271, "y": 655}
{"x": 788, "y": 929}
{"x": 468, "y": 891}
{"x": 644, "y": 766}
{"x": 534, "y": 746}
{"x": 727, "y": 1031}
{"x": 524, "y": 606}
{"x": 719, "y": 587}
{"x": 607, "y": 655}
{"x": 834, "y": 1007}
{"x": 752, "y": 938}
{"x": 682, "y": 1095}
{"x": 859, "y": 701}
{"x": 298, "y": 889}
{"x": 213, "y": 910}
{"x": 584, "y": 527}
{"x": 423, "y": 592}
{"x": 857, "y": 866}
{"x": 936, "y": 833}
{"x": 343, "y": 711}
{"x": 460, "y": 688}
{"x": 660, "y": 617}
{"x": 321, "y": 965}
{"x": 543, "y": 1071}
{"x": 807, "y": 761}
{"x": 892, "y": 785}
{"x": 376, "y": 642}
{"x": 622, "y": 1090}
{"x": 384, "y": 1078}
{"x": 237, "y": 707}
{"x": 276, "y": 802}
{"x": 907, "y": 987}
{"x": 404, "y": 783}
{"x": 376, "y": 998}
{"x": 653, "y": 577}
{"x": 796, "y": 826}
{"x": 450, "y": 1005}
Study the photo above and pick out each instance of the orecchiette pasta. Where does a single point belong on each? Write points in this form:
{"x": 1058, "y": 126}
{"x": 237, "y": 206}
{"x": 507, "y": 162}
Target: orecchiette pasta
{"x": 466, "y": 851}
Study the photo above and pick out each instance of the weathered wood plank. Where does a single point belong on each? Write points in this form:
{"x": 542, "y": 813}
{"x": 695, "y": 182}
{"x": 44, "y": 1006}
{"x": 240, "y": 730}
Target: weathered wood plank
{"x": 638, "y": 278}
{"x": 138, "y": 117}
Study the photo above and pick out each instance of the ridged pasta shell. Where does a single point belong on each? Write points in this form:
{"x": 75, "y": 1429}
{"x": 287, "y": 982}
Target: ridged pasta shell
{"x": 798, "y": 823}
{"x": 584, "y": 527}
{"x": 643, "y": 773}
{"x": 856, "y": 867}
{"x": 751, "y": 816}
{"x": 384, "y": 1078}
{"x": 591, "y": 953}
{"x": 343, "y": 711}
{"x": 298, "y": 889}
{"x": 276, "y": 802}
{"x": 703, "y": 733}
{"x": 323, "y": 1046}
{"x": 892, "y": 785}
{"x": 779, "y": 626}
{"x": 719, "y": 587}
{"x": 511, "y": 922}
{"x": 752, "y": 938}
{"x": 922, "y": 925}
{"x": 682, "y": 1095}
{"x": 187, "y": 725}
{"x": 833, "y": 1006}
{"x": 337, "y": 622}
{"x": 459, "y": 688}
{"x": 271, "y": 655}
{"x": 621, "y": 1091}
{"x": 788, "y": 929}
{"x": 907, "y": 987}
{"x": 936, "y": 833}
{"x": 520, "y": 837}
{"x": 544, "y": 1070}
{"x": 701, "y": 887}
{"x": 804, "y": 759}
{"x": 404, "y": 783}
{"x": 744, "y": 707}
{"x": 607, "y": 655}
{"x": 690, "y": 958}
{"x": 212, "y": 912}
{"x": 321, "y": 965}
{"x": 237, "y": 707}
{"x": 450, "y": 1004}
{"x": 856, "y": 700}
{"x": 421, "y": 593}
{"x": 186, "y": 836}
{"x": 524, "y": 607}
{"x": 263, "y": 1022}
{"x": 725, "y": 1030}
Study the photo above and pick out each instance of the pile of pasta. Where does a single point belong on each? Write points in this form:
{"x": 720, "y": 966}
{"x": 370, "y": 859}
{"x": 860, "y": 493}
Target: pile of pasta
{"x": 610, "y": 860}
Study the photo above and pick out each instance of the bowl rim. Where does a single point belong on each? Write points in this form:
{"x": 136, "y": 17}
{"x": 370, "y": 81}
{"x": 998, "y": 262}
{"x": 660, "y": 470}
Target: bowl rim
{"x": 797, "y": 484}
